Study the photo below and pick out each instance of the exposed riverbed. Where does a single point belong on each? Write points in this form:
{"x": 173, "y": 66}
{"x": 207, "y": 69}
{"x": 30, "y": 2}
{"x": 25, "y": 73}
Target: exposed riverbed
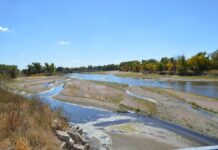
{"x": 95, "y": 121}
{"x": 208, "y": 89}
{"x": 105, "y": 127}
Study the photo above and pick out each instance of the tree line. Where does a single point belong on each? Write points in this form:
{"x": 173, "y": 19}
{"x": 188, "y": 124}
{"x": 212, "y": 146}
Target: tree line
{"x": 38, "y": 68}
{"x": 90, "y": 68}
{"x": 180, "y": 65}
{"x": 195, "y": 65}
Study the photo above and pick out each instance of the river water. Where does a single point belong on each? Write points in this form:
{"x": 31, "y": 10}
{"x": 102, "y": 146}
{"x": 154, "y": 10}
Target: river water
{"x": 209, "y": 89}
{"x": 101, "y": 118}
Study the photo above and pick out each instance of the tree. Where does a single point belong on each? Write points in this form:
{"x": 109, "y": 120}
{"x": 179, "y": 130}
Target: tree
{"x": 199, "y": 63}
{"x": 124, "y": 66}
{"x": 181, "y": 65}
{"x": 34, "y": 68}
{"x": 164, "y": 62}
{"x": 149, "y": 65}
{"x": 171, "y": 65}
{"x": 214, "y": 59}
{"x": 50, "y": 69}
{"x": 37, "y": 67}
{"x": 9, "y": 70}
{"x": 134, "y": 66}
{"x": 160, "y": 67}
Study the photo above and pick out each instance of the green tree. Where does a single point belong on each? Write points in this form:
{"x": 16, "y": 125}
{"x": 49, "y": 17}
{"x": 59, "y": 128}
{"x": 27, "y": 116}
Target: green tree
{"x": 164, "y": 62}
{"x": 149, "y": 65}
{"x": 9, "y": 70}
{"x": 134, "y": 66}
{"x": 50, "y": 69}
{"x": 181, "y": 65}
{"x": 171, "y": 65}
{"x": 34, "y": 68}
{"x": 160, "y": 67}
{"x": 214, "y": 59}
{"x": 199, "y": 62}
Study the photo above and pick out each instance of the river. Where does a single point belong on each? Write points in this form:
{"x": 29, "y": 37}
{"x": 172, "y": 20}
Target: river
{"x": 82, "y": 115}
{"x": 209, "y": 89}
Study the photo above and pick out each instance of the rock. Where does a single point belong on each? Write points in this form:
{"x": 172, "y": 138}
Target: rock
{"x": 63, "y": 136}
{"x": 71, "y": 141}
{"x": 79, "y": 147}
{"x": 77, "y": 128}
{"x": 87, "y": 146}
{"x": 63, "y": 146}
{"x": 77, "y": 137}
{"x": 80, "y": 131}
{"x": 69, "y": 144}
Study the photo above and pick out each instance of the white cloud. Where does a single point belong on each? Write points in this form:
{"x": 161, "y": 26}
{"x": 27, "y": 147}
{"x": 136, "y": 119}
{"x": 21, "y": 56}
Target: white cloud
{"x": 4, "y": 29}
{"x": 64, "y": 42}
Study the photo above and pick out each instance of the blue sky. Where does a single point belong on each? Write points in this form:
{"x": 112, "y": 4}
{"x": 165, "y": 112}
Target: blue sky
{"x": 82, "y": 32}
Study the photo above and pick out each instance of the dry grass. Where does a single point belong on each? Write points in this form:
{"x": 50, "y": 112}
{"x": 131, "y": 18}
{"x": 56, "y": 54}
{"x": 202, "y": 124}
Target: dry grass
{"x": 27, "y": 124}
{"x": 138, "y": 105}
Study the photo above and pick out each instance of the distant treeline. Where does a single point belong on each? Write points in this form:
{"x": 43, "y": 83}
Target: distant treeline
{"x": 180, "y": 65}
{"x": 12, "y": 71}
{"x": 88, "y": 69}
{"x": 195, "y": 65}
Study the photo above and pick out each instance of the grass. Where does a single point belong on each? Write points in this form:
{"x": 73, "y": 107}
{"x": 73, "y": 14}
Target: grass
{"x": 140, "y": 75}
{"x": 28, "y": 124}
{"x": 112, "y": 84}
{"x": 196, "y": 106}
{"x": 126, "y": 127}
{"x": 193, "y": 104}
{"x": 158, "y": 76}
{"x": 146, "y": 107}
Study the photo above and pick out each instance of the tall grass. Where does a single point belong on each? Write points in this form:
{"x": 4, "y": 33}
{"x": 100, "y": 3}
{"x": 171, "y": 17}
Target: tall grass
{"x": 27, "y": 124}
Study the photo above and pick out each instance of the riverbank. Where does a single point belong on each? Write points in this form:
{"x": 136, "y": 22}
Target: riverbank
{"x": 174, "y": 106}
{"x": 27, "y": 124}
{"x": 35, "y": 84}
{"x": 153, "y": 76}
{"x": 138, "y": 136}
{"x": 103, "y": 94}
{"x": 185, "y": 109}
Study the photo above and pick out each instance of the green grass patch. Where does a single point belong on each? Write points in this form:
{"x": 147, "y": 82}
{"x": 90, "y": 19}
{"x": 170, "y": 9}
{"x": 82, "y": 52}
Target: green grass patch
{"x": 112, "y": 84}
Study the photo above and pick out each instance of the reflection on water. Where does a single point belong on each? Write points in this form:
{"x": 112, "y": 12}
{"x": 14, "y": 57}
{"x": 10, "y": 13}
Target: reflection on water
{"x": 209, "y": 89}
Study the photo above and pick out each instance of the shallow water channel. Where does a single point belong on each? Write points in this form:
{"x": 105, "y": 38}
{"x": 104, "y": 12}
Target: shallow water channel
{"x": 209, "y": 89}
{"x": 101, "y": 118}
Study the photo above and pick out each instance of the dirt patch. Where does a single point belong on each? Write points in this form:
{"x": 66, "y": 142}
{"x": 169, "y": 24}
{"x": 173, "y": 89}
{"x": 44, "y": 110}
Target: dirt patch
{"x": 161, "y": 77}
{"x": 92, "y": 90}
{"x": 175, "y": 110}
{"x": 139, "y": 136}
{"x": 101, "y": 94}
{"x": 35, "y": 84}
{"x": 200, "y": 101}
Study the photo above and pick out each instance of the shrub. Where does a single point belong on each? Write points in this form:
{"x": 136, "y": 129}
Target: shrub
{"x": 27, "y": 124}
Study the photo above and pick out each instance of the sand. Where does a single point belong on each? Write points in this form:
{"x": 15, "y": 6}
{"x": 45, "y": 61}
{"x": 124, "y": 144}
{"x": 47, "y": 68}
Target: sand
{"x": 137, "y": 136}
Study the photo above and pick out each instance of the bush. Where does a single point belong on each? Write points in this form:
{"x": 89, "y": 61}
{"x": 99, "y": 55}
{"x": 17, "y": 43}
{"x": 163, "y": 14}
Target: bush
{"x": 27, "y": 124}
